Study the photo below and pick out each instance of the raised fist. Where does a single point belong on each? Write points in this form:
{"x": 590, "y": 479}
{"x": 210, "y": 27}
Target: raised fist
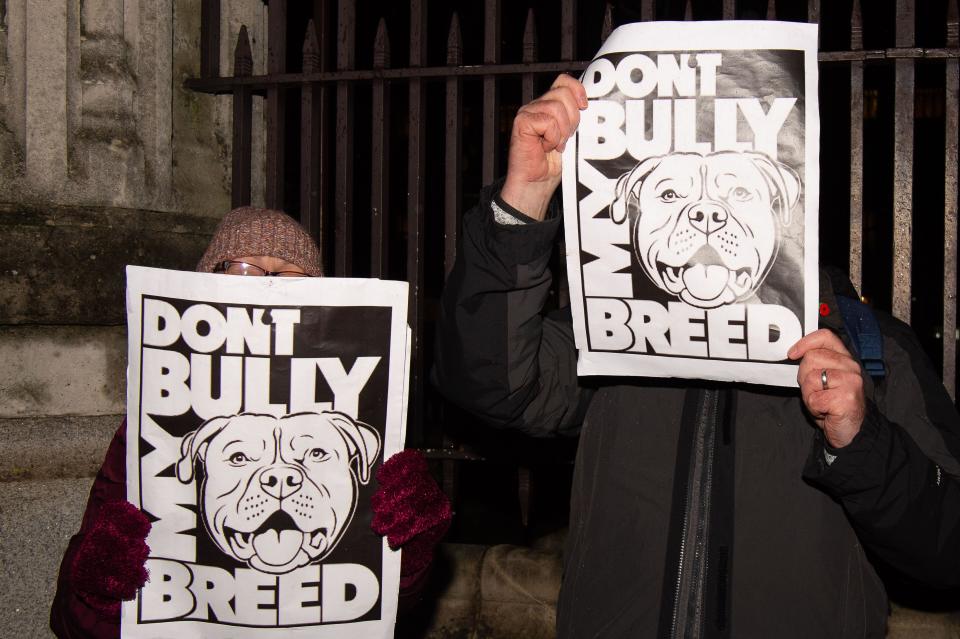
{"x": 540, "y": 133}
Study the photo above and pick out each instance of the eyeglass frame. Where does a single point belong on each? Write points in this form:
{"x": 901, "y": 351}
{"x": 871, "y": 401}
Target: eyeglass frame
{"x": 221, "y": 267}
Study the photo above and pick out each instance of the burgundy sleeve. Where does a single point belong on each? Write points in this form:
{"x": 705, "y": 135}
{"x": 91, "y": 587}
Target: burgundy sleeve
{"x": 70, "y": 616}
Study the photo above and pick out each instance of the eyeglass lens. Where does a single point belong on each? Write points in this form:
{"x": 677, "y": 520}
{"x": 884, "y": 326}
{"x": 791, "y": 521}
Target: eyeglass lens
{"x": 243, "y": 268}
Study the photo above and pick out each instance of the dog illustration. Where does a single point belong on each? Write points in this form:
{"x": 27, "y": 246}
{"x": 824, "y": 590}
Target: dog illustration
{"x": 707, "y": 227}
{"x": 278, "y": 493}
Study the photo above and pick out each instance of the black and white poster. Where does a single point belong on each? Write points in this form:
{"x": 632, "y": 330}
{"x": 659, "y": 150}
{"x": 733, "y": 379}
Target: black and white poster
{"x": 258, "y": 412}
{"x": 690, "y": 194}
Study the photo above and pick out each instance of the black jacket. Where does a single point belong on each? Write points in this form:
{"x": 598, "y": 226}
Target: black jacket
{"x": 704, "y": 509}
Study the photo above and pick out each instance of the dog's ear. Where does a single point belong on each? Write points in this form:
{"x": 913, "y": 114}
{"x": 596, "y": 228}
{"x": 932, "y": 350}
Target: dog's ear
{"x": 784, "y": 184}
{"x": 194, "y": 445}
{"x": 628, "y": 187}
{"x": 363, "y": 439}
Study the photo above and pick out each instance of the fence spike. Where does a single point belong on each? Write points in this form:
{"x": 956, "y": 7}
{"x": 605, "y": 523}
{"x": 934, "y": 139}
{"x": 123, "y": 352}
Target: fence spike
{"x": 454, "y": 42}
{"x": 856, "y": 27}
{"x": 953, "y": 23}
{"x": 311, "y": 49}
{"x": 607, "y": 23}
{"x": 381, "y": 46}
{"x": 530, "y": 38}
{"x": 242, "y": 56}
{"x": 772, "y": 10}
{"x": 688, "y": 12}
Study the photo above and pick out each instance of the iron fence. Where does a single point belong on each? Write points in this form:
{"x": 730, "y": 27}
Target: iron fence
{"x": 315, "y": 102}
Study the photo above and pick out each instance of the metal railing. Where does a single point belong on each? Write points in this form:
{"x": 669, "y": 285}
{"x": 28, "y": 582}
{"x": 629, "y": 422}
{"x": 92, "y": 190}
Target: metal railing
{"x": 327, "y": 81}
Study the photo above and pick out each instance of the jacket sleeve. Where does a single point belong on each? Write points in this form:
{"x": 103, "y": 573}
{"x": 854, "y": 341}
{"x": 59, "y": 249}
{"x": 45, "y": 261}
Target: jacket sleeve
{"x": 497, "y": 356}
{"x": 899, "y": 479}
{"x": 71, "y": 617}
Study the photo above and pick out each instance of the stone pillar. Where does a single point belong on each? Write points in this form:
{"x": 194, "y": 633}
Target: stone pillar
{"x": 45, "y": 35}
{"x": 105, "y": 160}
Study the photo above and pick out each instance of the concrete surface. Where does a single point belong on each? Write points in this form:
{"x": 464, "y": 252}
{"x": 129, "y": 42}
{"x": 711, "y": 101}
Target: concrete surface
{"x": 63, "y": 370}
{"x": 64, "y": 265}
{"x": 54, "y": 447}
{"x": 37, "y": 519}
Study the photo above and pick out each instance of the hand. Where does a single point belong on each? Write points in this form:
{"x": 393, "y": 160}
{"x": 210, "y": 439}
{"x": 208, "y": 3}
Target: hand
{"x": 540, "y": 133}
{"x": 411, "y": 510}
{"x": 840, "y": 408}
{"x": 109, "y": 565}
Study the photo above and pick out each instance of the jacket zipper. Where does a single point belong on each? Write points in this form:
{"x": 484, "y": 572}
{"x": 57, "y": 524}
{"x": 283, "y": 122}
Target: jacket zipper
{"x": 688, "y": 606}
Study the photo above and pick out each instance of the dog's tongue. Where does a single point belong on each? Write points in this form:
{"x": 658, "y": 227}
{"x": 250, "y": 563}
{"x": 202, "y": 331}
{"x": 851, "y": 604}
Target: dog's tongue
{"x": 278, "y": 547}
{"x": 705, "y": 282}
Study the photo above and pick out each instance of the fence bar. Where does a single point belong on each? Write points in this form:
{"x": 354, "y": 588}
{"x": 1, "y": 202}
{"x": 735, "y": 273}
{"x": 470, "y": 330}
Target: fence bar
{"x": 343, "y": 196}
{"x": 568, "y": 29}
{"x": 380, "y": 152}
{"x": 813, "y": 11}
{"x": 952, "y": 125}
{"x": 311, "y": 143}
{"x": 688, "y": 12}
{"x": 452, "y": 194}
{"x": 276, "y": 103}
{"x": 210, "y": 39}
{"x": 646, "y": 10}
{"x": 729, "y": 10}
{"x": 771, "y": 9}
{"x": 453, "y": 162}
{"x": 903, "y": 163}
{"x": 528, "y": 88}
{"x": 261, "y": 82}
{"x": 416, "y": 167}
{"x": 491, "y": 94}
{"x": 607, "y": 26}
{"x": 242, "y": 123}
{"x": 856, "y": 151}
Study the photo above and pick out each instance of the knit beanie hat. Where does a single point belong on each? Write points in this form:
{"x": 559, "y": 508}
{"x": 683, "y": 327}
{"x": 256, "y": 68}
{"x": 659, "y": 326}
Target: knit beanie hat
{"x": 249, "y": 231}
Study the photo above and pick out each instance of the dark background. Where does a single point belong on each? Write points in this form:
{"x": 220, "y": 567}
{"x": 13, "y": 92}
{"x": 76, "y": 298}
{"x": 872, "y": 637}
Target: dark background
{"x": 486, "y": 500}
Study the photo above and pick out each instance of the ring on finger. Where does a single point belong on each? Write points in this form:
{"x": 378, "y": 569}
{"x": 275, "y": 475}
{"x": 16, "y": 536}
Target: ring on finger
{"x": 823, "y": 378}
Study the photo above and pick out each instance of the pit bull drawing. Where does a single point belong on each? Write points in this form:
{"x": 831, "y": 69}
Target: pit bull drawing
{"x": 278, "y": 493}
{"x": 707, "y": 227}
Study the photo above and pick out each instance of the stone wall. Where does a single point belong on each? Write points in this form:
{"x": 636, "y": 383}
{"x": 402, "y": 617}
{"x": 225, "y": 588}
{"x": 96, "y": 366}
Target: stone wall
{"x": 105, "y": 160}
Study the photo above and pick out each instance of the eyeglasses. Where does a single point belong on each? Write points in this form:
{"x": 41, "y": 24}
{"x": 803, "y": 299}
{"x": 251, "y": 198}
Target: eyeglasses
{"x": 234, "y": 267}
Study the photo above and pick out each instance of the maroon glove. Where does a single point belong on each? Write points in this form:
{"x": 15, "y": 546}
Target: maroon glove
{"x": 109, "y": 564}
{"x": 411, "y": 510}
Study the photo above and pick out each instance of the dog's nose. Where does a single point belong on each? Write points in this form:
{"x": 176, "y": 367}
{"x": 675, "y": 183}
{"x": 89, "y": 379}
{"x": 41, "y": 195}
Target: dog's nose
{"x": 707, "y": 218}
{"x": 281, "y": 482}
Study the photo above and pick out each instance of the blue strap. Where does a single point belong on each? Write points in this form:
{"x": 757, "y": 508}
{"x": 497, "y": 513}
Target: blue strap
{"x": 864, "y": 331}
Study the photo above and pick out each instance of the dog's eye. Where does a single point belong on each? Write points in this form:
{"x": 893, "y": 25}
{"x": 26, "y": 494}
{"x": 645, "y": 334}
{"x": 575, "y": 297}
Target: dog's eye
{"x": 316, "y": 454}
{"x": 669, "y": 195}
{"x": 238, "y": 458}
{"x": 740, "y": 194}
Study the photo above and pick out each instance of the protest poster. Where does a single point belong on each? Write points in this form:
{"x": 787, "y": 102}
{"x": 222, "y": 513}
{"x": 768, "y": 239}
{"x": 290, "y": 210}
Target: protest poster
{"x": 258, "y": 412}
{"x": 690, "y": 196}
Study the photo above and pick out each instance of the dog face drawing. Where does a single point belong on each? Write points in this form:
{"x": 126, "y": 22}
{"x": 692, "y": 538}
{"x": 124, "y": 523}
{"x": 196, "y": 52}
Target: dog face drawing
{"x": 278, "y": 493}
{"x": 707, "y": 228}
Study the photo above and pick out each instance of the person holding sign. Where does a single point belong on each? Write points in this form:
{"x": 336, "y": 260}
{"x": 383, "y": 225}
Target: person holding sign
{"x": 698, "y": 509}
{"x": 104, "y": 562}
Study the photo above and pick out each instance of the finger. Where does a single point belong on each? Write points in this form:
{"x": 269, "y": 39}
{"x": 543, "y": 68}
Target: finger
{"x": 544, "y": 127}
{"x": 822, "y": 338}
{"x": 578, "y": 90}
{"x": 568, "y": 101}
{"x": 558, "y": 105}
{"x": 819, "y": 359}
{"x": 833, "y": 403}
{"x": 840, "y": 383}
